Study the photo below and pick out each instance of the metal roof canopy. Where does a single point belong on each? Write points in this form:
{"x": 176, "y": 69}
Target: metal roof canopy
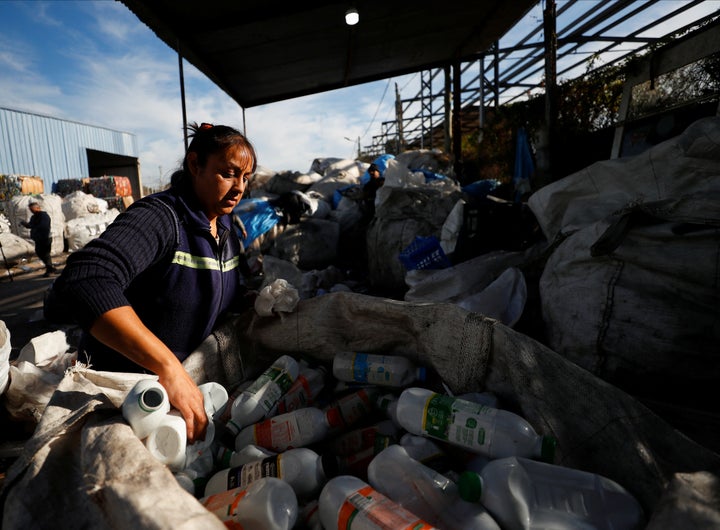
{"x": 260, "y": 53}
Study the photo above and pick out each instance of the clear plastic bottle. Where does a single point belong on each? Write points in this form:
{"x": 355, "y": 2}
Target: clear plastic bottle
{"x": 352, "y": 504}
{"x": 374, "y": 369}
{"x": 522, "y": 493}
{"x": 298, "y": 428}
{"x": 480, "y": 429}
{"x": 145, "y": 406}
{"x": 257, "y": 400}
{"x": 302, "y": 393}
{"x": 302, "y": 468}
{"x": 425, "y": 492}
{"x": 268, "y": 503}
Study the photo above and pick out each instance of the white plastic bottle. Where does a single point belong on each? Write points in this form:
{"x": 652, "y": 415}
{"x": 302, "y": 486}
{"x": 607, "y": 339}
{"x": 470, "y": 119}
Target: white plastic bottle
{"x": 309, "y": 516}
{"x": 347, "y": 410}
{"x": 426, "y": 451}
{"x": 298, "y": 428}
{"x": 199, "y": 454}
{"x": 352, "y": 504}
{"x": 357, "y": 464}
{"x": 168, "y": 441}
{"x": 215, "y": 397}
{"x": 303, "y": 392}
{"x": 381, "y": 434}
{"x": 373, "y": 369}
{"x": 387, "y": 403}
{"x": 223, "y": 415}
{"x": 225, "y": 458}
{"x": 302, "y": 468}
{"x": 425, "y": 492}
{"x": 483, "y": 398}
{"x": 257, "y": 400}
{"x": 268, "y": 503}
{"x": 522, "y": 493}
{"x": 145, "y": 406}
{"x": 480, "y": 429}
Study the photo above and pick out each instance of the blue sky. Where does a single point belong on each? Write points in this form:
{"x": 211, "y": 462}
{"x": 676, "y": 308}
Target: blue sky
{"x": 94, "y": 62}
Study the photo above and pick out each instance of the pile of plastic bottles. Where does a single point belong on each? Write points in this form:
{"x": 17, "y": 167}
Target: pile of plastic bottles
{"x": 362, "y": 444}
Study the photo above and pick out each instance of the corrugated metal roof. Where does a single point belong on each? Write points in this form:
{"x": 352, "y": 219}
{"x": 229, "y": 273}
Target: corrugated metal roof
{"x": 52, "y": 148}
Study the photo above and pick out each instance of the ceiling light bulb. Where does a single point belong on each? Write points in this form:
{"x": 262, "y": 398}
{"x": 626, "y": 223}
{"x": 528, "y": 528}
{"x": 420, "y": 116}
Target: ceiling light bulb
{"x": 352, "y": 17}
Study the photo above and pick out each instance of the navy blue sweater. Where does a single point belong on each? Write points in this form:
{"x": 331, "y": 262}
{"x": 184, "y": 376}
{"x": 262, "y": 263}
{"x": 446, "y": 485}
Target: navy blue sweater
{"x": 160, "y": 258}
{"x": 39, "y": 226}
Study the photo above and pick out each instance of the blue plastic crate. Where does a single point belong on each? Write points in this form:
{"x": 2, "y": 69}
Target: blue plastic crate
{"x": 424, "y": 253}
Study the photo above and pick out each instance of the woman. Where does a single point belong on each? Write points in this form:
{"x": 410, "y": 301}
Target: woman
{"x": 154, "y": 284}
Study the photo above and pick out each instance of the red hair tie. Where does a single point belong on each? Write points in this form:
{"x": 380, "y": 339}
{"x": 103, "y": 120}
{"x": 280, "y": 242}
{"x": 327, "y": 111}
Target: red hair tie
{"x": 204, "y": 126}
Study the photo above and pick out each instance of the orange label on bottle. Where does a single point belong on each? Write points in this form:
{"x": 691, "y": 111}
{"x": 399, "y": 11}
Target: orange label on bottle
{"x": 373, "y": 507}
{"x": 224, "y": 505}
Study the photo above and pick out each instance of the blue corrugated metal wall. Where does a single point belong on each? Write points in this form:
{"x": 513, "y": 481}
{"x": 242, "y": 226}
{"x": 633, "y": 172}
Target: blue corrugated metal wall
{"x": 54, "y": 149}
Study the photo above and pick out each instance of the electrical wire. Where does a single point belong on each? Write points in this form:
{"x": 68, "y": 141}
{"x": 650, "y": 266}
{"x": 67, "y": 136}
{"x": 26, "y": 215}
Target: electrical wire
{"x": 377, "y": 109}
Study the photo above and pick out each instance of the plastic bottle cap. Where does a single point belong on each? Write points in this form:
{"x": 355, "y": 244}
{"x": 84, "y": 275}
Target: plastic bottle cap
{"x": 151, "y": 399}
{"x": 547, "y": 452}
{"x": 330, "y": 465}
{"x": 470, "y": 486}
{"x": 421, "y": 373}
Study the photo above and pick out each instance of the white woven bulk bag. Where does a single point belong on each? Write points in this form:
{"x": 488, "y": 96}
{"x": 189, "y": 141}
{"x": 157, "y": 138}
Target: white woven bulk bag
{"x": 635, "y": 298}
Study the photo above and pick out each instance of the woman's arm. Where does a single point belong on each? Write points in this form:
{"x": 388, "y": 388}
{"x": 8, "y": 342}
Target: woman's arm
{"x": 92, "y": 288}
{"x": 123, "y": 331}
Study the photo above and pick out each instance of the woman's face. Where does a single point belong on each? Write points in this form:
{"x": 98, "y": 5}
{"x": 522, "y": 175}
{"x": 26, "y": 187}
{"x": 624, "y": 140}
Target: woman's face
{"x": 221, "y": 182}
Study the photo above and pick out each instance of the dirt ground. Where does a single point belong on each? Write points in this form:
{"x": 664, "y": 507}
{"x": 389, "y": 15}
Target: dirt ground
{"x": 22, "y": 289}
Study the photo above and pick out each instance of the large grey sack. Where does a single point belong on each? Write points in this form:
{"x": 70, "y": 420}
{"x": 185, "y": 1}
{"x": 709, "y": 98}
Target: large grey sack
{"x": 635, "y": 298}
{"x": 85, "y": 468}
{"x": 686, "y": 163}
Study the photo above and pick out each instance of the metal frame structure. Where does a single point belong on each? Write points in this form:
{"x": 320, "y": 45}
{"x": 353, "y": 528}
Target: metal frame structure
{"x": 515, "y": 67}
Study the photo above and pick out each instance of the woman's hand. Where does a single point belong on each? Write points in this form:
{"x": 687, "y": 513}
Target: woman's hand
{"x": 185, "y": 396}
{"x": 123, "y": 331}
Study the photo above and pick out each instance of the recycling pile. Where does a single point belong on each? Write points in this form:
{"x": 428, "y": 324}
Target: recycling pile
{"x": 359, "y": 440}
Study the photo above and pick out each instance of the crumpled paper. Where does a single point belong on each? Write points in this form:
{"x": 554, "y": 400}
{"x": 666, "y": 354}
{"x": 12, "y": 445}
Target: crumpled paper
{"x": 276, "y": 297}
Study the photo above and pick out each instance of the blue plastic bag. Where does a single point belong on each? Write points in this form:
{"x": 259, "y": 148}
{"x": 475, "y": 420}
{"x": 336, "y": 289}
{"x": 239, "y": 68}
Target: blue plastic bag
{"x": 258, "y": 216}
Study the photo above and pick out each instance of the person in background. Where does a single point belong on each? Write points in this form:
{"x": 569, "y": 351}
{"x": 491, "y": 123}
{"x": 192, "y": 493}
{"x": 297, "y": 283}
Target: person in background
{"x": 376, "y": 181}
{"x": 367, "y": 206}
{"x": 39, "y": 225}
{"x": 153, "y": 286}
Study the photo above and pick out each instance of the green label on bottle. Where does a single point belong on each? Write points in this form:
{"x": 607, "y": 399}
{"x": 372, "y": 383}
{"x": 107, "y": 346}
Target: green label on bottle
{"x": 457, "y": 421}
{"x": 438, "y": 416}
